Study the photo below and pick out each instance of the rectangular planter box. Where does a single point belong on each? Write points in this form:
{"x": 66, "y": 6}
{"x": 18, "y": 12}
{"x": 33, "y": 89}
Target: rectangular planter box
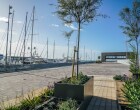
{"x": 78, "y": 92}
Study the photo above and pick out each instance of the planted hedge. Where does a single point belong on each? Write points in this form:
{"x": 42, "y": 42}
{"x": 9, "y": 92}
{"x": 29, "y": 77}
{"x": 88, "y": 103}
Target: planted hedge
{"x": 31, "y": 101}
{"x": 49, "y": 101}
{"x": 80, "y": 88}
{"x": 132, "y": 93}
{"x": 82, "y": 79}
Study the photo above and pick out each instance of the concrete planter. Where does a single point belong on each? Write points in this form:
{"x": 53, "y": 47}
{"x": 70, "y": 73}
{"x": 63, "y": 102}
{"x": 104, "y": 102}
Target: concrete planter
{"x": 78, "y": 92}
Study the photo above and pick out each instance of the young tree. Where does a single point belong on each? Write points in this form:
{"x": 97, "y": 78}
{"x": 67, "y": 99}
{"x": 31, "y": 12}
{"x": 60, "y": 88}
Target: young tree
{"x": 131, "y": 18}
{"x": 132, "y": 57}
{"x": 68, "y": 35}
{"x": 78, "y": 11}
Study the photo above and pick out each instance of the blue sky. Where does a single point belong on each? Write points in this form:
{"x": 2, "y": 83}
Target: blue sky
{"x": 103, "y": 35}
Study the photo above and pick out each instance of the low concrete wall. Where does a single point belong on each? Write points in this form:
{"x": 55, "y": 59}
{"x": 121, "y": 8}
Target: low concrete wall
{"x": 27, "y": 67}
{"x": 125, "y": 62}
{"x": 53, "y": 65}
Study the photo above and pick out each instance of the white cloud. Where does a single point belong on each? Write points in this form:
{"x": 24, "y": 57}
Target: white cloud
{"x": 53, "y": 14}
{"x": 3, "y": 19}
{"x": 54, "y": 25}
{"x": 18, "y": 22}
{"x": 2, "y": 30}
{"x": 71, "y": 26}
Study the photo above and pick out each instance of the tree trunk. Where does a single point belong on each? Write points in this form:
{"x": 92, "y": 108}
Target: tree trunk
{"x": 78, "y": 42}
{"x": 137, "y": 54}
{"x": 68, "y": 50}
{"x": 137, "y": 58}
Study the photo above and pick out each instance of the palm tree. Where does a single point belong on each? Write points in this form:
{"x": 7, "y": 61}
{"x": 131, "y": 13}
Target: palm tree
{"x": 68, "y": 35}
{"x": 99, "y": 57}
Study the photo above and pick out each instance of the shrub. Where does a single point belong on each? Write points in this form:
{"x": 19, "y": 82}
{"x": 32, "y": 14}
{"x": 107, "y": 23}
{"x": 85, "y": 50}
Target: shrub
{"x": 10, "y": 107}
{"x": 133, "y": 66}
{"x": 121, "y": 77}
{"x": 50, "y": 92}
{"x": 68, "y": 105}
{"x": 82, "y": 79}
{"x": 30, "y": 102}
{"x": 47, "y": 93}
{"x": 98, "y": 61}
{"x": 118, "y": 77}
{"x": 132, "y": 93}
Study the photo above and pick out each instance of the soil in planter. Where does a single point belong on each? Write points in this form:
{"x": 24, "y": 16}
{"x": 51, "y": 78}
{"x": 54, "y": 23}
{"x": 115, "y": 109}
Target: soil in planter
{"x": 43, "y": 99}
{"x": 125, "y": 108}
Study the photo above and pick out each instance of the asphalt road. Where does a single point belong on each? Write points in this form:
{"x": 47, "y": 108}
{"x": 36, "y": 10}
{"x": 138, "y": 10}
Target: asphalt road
{"x": 16, "y": 83}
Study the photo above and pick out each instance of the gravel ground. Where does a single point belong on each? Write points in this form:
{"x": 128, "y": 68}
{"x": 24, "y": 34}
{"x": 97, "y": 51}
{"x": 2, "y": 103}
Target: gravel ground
{"x": 16, "y": 83}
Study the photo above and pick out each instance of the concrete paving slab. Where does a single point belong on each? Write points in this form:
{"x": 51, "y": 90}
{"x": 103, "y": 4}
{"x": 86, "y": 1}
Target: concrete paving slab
{"x": 17, "y": 83}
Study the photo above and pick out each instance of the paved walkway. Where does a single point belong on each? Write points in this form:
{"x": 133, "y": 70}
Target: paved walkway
{"x": 18, "y": 83}
{"x": 104, "y": 94}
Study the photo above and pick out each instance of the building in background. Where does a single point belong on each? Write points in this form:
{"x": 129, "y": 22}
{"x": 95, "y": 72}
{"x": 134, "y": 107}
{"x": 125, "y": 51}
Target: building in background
{"x": 114, "y": 56}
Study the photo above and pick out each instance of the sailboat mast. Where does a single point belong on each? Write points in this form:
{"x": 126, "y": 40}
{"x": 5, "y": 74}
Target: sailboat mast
{"x": 53, "y": 50}
{"x": 11, "y": 36}
{"x": 10, "y": 7}
{"x": 91, "y": 55}
{"x": 47, "y": 48}
{"x": 86, "y": 56}
{"x": 24, "y": 43}
{"x": 84, "y": 53}
{"x": 32, "y": 33}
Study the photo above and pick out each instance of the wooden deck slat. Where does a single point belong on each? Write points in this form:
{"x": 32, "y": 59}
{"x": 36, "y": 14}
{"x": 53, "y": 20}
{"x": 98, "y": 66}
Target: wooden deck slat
{"x": 120, "y": 95}
{"x": 104, "y": 97}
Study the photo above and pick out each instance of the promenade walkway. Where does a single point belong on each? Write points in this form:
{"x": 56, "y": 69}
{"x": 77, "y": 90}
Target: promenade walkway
{"x": 104, "y": 94}
{"x": 18, "y": 83}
